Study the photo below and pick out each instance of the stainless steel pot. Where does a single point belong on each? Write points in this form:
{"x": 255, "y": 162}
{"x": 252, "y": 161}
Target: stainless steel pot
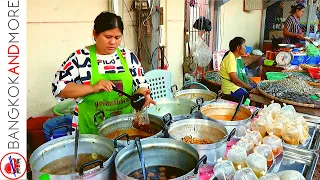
{"x": 177, "y": 107}
{"x": 202, "y": 129}
{"x": 124, "y": 122}
{"x": 159, "y": 152}
{"x": 64, "y": 146}
{"x": 194, "y": 94}
{"x": 208, "y": 110}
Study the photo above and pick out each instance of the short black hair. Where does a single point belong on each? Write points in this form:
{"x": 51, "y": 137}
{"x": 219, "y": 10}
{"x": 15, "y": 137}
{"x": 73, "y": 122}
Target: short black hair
{"x": 296, "y": 7}
{"x": 235, "y": 42}
{"x": 106, "y": 21}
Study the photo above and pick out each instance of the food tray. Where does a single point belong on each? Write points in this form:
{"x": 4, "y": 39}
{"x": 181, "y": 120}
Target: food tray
{"x": 213, "y": 77}
{"x": 296, "y": 159}
{"x": 314, "y": 141}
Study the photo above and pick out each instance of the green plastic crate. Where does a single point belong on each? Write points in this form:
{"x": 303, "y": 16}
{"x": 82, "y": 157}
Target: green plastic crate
{"x": 276, "y": 75}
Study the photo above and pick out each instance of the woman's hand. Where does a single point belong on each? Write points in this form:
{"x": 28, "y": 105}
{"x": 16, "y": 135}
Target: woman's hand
{"x": 103, "y": 85}
{"x": 255, "y": 91}
{"x": 301, "y": 36}
{"x": 146, "y": 92}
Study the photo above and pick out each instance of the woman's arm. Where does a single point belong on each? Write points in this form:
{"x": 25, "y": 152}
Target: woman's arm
{"x": 287, "y": 33}
{"x": 67, "y": 84}
{"x": 234, "y": 78}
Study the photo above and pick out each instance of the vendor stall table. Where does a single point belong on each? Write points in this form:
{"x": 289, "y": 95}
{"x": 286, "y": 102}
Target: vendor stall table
{"x": 265, "y": 100}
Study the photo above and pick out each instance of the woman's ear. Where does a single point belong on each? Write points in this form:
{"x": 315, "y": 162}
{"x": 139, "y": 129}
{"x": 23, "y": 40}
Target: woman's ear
{"x": 94, "y": 35}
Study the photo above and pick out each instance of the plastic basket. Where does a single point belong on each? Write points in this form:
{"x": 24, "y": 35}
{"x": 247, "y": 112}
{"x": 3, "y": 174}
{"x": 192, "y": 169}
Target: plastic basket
{"x": 276, "y": 75}
{"x": 64, "y": 108}
{"x": 160, "y": 82}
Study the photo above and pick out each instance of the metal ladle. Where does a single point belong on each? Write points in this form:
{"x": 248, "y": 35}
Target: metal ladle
{"x": 76, "y": 144}
{"x": 137, "y": 100}
{"x": 238, "y": 108}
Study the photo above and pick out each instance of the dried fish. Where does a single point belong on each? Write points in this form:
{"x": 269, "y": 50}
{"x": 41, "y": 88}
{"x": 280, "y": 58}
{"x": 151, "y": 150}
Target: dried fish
{"x": 213, "y": 76}
{"x": 291, "y": 89}
{"x": 302, "y": 76}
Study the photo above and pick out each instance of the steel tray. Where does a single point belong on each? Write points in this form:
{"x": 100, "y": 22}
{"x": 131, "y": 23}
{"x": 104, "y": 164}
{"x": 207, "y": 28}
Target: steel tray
{"x": 300, "y": 160}
{"x": 314, "y": 142}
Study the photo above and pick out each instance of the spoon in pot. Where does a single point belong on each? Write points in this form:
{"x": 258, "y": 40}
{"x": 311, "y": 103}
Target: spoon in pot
{"x": 76, "y": 143}
{"x": 238, "y": 108}
{"x": 137, "y": 100}
{"x": 141, "y": 157}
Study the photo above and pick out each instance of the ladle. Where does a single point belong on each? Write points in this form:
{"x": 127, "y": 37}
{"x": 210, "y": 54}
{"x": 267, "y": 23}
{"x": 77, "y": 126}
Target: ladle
{"x": 76, "y": 144}
{"x": 238, "y": 108}
{"x": 141, "y": 157}
{"x": 137, "y": 100}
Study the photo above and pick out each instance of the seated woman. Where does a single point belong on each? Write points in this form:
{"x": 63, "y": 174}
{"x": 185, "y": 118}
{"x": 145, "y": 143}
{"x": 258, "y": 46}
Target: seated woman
{"x": 233, "y": 75}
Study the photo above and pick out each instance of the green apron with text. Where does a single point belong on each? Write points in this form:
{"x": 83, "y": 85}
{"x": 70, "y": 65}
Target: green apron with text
{"x": 111, "y": 103}
{"x": 241, "y": 72}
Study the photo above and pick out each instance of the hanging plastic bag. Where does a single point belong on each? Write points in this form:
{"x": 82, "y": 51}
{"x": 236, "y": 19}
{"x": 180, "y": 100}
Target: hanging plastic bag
{"x": 201, "y": 52}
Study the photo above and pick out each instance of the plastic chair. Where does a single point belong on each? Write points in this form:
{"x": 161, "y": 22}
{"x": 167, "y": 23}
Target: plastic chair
{"x": 160, "y": 82}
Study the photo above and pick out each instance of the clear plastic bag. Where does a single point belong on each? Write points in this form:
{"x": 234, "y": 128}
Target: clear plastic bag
{"x": 275, "y": 128}
{"x": 290, "y": 135}
{"x": 257, "y": 163}
{"x": 201, "y": 52}
{"x": 246, "y": 144}
{"x": 287, "y": 111}
{"x": 224, "y": 170}
{"x": 290, "y": 175}
{"x": 275, "y": 143}
{"x": 270, "y": 176}
{"x": 253, "y": 136}
{"x": 259, "y": 125}
{"x": 245, "y": 173}
{"x": 266, "y": 151}
{"x": 237, "y": 155}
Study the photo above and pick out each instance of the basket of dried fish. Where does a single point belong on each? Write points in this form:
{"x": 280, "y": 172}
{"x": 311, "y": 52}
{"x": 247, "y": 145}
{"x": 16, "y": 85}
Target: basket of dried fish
{"x": 307, "y": 66}
{"x": 213, "y": 77}
{"x": 303, "y": 75}
{"x": 291, "y": 91}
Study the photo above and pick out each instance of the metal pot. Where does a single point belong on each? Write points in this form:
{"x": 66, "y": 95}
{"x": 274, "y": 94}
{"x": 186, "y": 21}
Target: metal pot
{"x": 159, "y": 152}
{"x": 202, "y": 129}
{"x": 177, "y": 107}
{"x": 194, "y": 94}
{"x": 64, "y": 146}
{"x": 207, "y": 110}
{"x": 124, "y": 122}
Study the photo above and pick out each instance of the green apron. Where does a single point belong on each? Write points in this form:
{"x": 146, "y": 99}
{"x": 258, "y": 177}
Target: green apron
{"x": 241, "y": 72}
{"x": 111, "y": 103}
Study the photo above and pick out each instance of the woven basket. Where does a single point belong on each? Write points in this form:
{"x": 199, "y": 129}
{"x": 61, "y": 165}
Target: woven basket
{"x": 285, "y": 100}
{"x": 212, "y": 82}
{"x": 309, "y": 82}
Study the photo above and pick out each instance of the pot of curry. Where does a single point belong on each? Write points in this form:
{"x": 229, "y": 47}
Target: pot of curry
{"x": 56, "y": 158}
{"x": 164, "y": 159}
{"x": 222, "y": 113}
{"x": 122, "y": 124}
{"x": 207, "y": 137}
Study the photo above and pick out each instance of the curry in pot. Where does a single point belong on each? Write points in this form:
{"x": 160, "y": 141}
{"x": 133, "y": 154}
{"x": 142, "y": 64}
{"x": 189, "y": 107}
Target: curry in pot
{"x": 133, "y": 133}
{"x": 65, "y": 165}
{"x": 159, "y": 173}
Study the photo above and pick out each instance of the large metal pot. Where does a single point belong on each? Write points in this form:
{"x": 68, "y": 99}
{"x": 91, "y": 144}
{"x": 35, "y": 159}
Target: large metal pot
{"x": 202, "y": 129}
{"x": 177, "y": 107}
{"x": 124, "y": 122}
{"x": 210, "y": 110}
{"x": 194, "y": 94}
{"x": 159, "y": 152}
{"x": 64, "y": 146}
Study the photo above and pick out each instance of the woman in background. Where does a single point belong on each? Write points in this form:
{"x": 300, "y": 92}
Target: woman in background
{"x": 232, "y": 72}
{"x": 292, "y": 31}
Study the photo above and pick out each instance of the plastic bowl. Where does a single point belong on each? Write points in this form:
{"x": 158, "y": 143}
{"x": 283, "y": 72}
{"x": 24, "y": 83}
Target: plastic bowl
{"x": 314, "y": 73}
{"x": 268, "y": 62}
{"x": 276, "y": 75}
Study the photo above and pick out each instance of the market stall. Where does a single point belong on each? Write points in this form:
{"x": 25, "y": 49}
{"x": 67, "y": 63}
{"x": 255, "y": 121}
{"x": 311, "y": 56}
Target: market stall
{"x": 197, "y": 141}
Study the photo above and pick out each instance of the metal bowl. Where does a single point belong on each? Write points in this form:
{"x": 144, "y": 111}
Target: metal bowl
{"x": 194, "y": 94}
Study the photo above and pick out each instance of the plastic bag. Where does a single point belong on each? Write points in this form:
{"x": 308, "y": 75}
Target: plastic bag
{"x": 201, "y": 52}
{"x": 266, "y": 151}
{"x": 237, "y": 155}
{"x": 312, "y": 50}
{"x": 257, "y": 163}
{"x": 290, "y": 175}
{"x": 224, "y": 170}
{"x": 270, "y": 176}
{"x": 245, "y": 173}
{"x": 275, "y": 143}
{"x": 65, "y": 107}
